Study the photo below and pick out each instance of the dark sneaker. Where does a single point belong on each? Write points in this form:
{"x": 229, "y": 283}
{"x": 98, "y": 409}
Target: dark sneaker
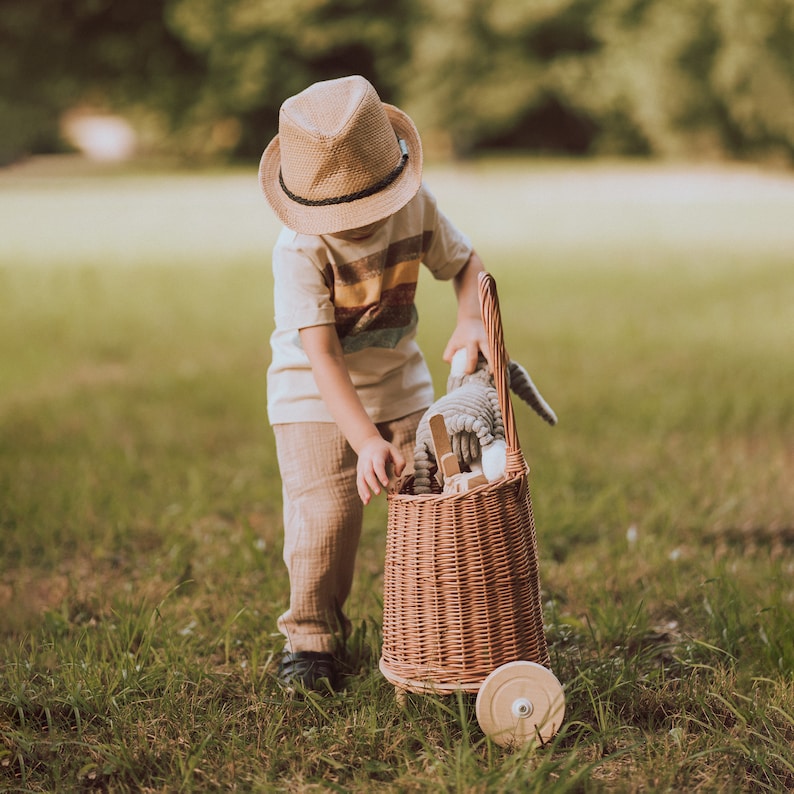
{"x": 309, "y": 670}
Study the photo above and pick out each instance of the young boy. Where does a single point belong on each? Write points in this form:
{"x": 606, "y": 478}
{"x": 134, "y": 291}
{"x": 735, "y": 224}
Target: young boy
{"x": 348, "y": 384}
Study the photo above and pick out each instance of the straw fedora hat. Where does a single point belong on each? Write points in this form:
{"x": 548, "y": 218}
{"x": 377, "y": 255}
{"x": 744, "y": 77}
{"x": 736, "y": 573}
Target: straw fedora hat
{"x": 342, "y": 158}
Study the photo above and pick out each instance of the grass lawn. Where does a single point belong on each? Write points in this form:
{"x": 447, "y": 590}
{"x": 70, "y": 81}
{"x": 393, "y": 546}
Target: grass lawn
{"x": 140, "y": 528}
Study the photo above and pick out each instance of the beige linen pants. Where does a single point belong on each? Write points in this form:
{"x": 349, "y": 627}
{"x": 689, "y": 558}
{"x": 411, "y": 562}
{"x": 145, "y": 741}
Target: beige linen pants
{"x": 322, "y": 525}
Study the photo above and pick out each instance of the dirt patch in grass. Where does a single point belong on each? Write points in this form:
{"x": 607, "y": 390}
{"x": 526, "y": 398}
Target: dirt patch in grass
{"x": 81, "y": 591}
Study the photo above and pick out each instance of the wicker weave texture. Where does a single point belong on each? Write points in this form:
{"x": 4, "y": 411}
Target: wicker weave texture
{"x": 461, "y": 578}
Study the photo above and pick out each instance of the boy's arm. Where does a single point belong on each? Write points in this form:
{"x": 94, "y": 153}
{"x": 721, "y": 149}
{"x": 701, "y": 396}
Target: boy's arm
{"x": 469, "y": 332}
{"x": 321, "y": 344}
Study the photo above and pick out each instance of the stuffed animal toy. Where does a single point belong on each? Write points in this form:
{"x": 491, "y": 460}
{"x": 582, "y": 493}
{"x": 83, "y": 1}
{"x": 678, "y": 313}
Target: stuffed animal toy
{"x": 474, "y": 420}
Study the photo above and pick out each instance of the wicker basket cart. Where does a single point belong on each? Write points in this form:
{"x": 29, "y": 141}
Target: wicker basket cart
{"x": 462, "y": 607}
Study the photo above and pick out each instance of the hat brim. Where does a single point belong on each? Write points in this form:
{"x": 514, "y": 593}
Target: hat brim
{"x": 361, "y": 212}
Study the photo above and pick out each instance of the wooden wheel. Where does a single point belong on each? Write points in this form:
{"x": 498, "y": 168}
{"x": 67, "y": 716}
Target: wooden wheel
{"x": 520, "y": 702}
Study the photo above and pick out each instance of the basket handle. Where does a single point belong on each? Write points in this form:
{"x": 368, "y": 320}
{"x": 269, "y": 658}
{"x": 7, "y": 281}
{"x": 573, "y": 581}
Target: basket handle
{"x": 492, "y": 320}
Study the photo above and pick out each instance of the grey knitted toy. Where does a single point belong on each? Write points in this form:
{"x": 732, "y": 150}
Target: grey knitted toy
{"x": 474, "y": 420}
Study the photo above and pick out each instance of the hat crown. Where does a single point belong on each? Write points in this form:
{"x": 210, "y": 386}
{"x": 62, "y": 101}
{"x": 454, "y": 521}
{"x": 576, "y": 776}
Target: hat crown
{"x": 336, "y": 139}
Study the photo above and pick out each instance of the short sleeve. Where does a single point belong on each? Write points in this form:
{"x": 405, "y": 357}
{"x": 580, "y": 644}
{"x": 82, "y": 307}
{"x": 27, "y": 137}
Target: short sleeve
{"x": 449, "y": 248}
{"x": 300, "y": 293}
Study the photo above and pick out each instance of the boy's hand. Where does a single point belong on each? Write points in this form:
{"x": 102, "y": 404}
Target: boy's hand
{"x": 372, "y": 473}
{"x": 469, "y": 334}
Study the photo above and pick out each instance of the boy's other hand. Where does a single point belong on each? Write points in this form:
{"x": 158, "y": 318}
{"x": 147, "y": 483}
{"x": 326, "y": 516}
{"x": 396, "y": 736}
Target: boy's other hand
{"x": 374, "y": 460}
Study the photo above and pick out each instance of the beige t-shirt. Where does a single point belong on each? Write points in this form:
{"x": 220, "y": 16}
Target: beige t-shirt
{"x": 366, "y": 289}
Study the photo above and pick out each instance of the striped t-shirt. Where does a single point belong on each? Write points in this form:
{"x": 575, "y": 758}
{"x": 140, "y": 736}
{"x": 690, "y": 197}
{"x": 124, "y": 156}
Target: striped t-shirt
{"x": 366, "y": 288}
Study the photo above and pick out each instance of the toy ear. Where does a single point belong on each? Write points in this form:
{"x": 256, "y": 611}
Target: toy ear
{"x": 457, "y": 370}
{"x": 457, "y": 366}
{"x": 521, "y": 384}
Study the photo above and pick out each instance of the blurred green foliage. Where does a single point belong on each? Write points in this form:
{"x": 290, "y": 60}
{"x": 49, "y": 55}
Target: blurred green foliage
{"x": 205, "y": 78}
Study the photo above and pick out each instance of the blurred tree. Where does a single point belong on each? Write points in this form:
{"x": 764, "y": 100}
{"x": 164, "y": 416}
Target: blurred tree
{"x": 637, "y": 86}
{"x": 30, "y": 91}
{"x": 690, "y": 77}
{"x": 259, "y": 52}
{"x": 751, "y": 75}
{"x": 662, "y": 77}
{"x": 486, "y": 72}
{"x": 56, "y": 54}
{"x": 206, "y": 78}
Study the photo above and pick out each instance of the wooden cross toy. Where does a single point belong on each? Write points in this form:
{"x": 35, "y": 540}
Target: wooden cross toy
{"x": 454, "y": 480}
